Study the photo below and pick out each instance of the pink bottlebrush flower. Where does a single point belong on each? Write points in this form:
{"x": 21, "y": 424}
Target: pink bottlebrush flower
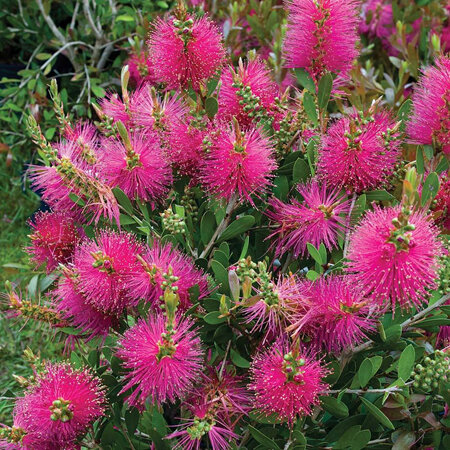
{"x": 441, "y": 204}
{"x": 186, "y": 147}
{"x": 286, "y": 381}
{"x": 85, "y": 143}
{"x": 138, "y": 167}
{"x": 319, "y": 218}
{"x": 61, "y": 406}
{"x": 394, "y": 263}
{"x": 338, "y": 317}
{"x": 115, "y": 108}
{"x": 377, "y": 21}
{"x": 430, "y": 120}
{"x": 159, "y": 263}
{"x": 245, "y": 92}
{"x": 103, "y": 266}
{"x": 185, "y": 50}
{"x": 359, "y": 153}
{"x": 73, "y": 306}
{"x": 53, "y": 239}
{"x": 239, "y": 164}
{"x": 270, "y": 312}
{"x": 159, "y": 114}
{"x": 221, "y": 392}
{"x": 321, "y": 35}
{"x": 141, "y": 68}
{"x": 161, "y": 368}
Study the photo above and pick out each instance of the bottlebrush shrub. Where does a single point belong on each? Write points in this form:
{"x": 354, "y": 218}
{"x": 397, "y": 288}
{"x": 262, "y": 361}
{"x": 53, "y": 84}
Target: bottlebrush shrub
{"x": 230, "y": 263}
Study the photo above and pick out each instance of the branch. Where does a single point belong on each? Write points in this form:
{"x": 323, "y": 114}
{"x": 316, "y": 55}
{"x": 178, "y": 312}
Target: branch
{"x": 221, "y": 227}
{"x": 87, "y": 12}
{"x": 365, "y": 391}
{"x": 423, "y": 313}
{"x": 347, "y": 231}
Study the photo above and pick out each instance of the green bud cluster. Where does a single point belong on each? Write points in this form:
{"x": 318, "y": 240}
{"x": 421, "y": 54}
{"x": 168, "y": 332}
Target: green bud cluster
{"x": 292, "y": 368}
{"x": 200, "y": 427}
{"x": 266, "y": 285}
{"x": 400, "y": 236}
{"x": 251, "y": 103}
{"x": 12, "y": 435}
{"x": 189, "y": 203}
{"x": 184, "y": 29}
{"x": 287, "y": 131}
{"x": 172, "y": 222}
{"x": 61, "y": 410}
{"x": 246, "y": 268}
{"x": 431, "y": 372}
{"x": 102, "y": 262}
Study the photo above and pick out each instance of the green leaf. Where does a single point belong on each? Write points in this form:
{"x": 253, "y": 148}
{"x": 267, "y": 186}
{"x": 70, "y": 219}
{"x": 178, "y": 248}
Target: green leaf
{"x": 379, "y": 415}
{"x": 323, "y": 253}
{"x": 238, "y": 360}
{"x": 310, "y": 108}
{"x": 304, "y": 79}
{"x": 211, "y": 107}
{"x": 221, "y": 275}
{"x": 98, "y": 91}
{"x": 126, "y": 220}
{"x": 245, "y": 248}
{"x": 77, "y": 200}
{"x": 207, "y": 226}
{"x": 237, "y": 227}
{"x": 324, "y": 90}
{"x": 419, "y": 161}
{"x": 131, "y": 420}
{"x": 300, "y": 171}
{"x": 403, "y": 113}
{"x": 430, "y": 187}
{"x": 124, "y": 18}
{"x": 361, "y": 439}
{"x": 315, "y": 254}
{"x": 123, "y": 200}
{"x": 334, "y": 407}
{"x": 379, "y": 194}
{"x": 428, "y": 150}
{"x": 264, "y": 440}
{"x": 365, "y": 372}
{"x": 406, "y": 362}
{"x": 312, "y": 275}
{"x": 393, "y": 333}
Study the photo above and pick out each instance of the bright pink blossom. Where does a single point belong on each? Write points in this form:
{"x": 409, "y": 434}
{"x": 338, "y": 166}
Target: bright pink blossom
{"x": 157, "y": 264}
{"x": 321, "y": 217}
{"x": 158, "y": 369}
{"x": 53, "y": 239}
{"x": 252, "y": 79}
{"x": 185, "y": 51}
{"x": 321, "y": 35}
{"x": 239, "y": 164}
{"x": 338, "y": 317}
{"x": 61, "y": 406}
{"x": 73, "y": 306}
{"x": 286, "y": 382}
{"x": 139, "y": 169}
{"x": 430, "y": 121}
{"x": 391, "y": 264}
{"x": 140, "y": 67}
{"x": 103, "y": 266}
{"x": 359, "y": 153}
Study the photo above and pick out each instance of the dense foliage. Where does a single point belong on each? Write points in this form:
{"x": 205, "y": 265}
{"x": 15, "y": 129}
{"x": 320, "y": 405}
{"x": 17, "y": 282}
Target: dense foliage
{"x": 247, "y": 248}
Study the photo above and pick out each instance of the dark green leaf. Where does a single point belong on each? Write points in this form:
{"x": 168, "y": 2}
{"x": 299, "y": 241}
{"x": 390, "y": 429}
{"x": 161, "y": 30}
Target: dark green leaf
{"x": 380, "y": 194}
{"x": 238, "y": 360}
{"x": 419, "y": 161}
{"x": 123, "y": 200}
{"x": 310, "y": 108}
{"x": 406, "y": 362}
{"x": 304, "y": 79}
{"x": 245, "y": 248}
{"x": 213, "y": 318}
{"x": 237, "y": 227}
{"x": 360, "y": 440}
{"x": 334, "y": 407}
{"x": 403, "y": 113}
{"x": 301, "y": 171}
{"x": 365, "y": 372}
{"x": 263, "y": 439}
{"x": 221, "y": 275}
{"x": 207, "y": 226}
{"x": 324, "y": 90}
{"x": 211, "y": 107}
{"x": 430, "y": 187}
{"x": 379, "y": 415}
{"x": 131, "y": 419}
